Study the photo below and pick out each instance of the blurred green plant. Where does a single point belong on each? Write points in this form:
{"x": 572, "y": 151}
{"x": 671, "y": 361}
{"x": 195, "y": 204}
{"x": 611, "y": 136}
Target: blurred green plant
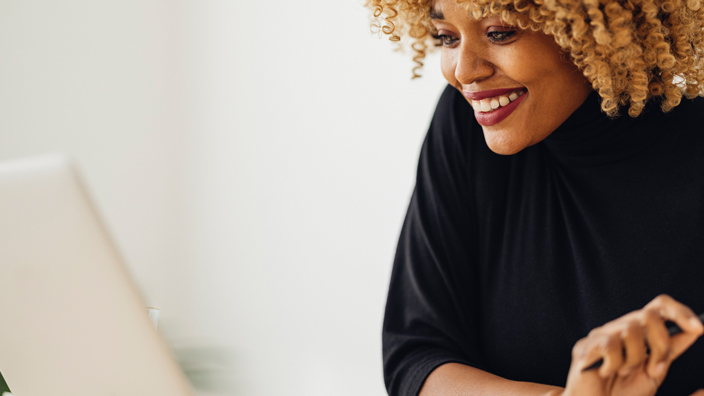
{"x": 209, "y": 368}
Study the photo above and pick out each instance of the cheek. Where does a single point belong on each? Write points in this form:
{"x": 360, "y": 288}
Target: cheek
{"x": 530, "y": 59}
{"x": 524, "y": 66}
{"x": 545, "y": 59}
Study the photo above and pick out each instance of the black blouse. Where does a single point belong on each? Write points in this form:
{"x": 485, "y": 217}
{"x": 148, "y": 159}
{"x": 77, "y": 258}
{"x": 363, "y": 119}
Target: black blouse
{"x": 504, "y": 262}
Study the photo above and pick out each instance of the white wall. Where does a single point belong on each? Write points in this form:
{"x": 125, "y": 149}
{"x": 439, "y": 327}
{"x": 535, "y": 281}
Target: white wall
{"x": 253, "y": 159}
{"x": 104, "y": 81}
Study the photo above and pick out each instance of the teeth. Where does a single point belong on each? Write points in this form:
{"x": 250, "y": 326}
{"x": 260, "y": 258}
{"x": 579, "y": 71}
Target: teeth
{"x": 487, "y": 105}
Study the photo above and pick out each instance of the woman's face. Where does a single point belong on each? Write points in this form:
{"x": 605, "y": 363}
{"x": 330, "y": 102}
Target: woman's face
{"x": 516, "y": 81}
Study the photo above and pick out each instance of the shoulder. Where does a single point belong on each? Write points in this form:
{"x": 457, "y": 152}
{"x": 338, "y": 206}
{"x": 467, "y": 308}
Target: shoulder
{"x": 689, "y": 114}
{"x": 685, "y": 124}
{"x": 691, "y": 111}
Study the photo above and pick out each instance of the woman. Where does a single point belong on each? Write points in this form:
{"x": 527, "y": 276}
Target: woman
{"x": 545, "y": 221}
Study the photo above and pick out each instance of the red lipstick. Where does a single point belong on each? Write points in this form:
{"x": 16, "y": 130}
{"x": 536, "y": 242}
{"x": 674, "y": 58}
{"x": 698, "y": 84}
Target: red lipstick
{"x": 488, "y": 94}
{"x": 495, "y": 116}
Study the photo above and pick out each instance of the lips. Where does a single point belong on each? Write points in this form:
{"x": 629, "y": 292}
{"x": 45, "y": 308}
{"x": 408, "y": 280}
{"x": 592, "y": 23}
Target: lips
{"x": 488, "y": 94}
{"x": 488, "y": 117}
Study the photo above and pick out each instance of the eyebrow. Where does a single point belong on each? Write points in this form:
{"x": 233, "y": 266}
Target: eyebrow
{"x": 436, "y": 15}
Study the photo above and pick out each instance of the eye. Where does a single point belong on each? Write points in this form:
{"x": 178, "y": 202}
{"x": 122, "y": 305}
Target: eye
{"x": 445, "y": 40}
{"x": 499, "y": 36}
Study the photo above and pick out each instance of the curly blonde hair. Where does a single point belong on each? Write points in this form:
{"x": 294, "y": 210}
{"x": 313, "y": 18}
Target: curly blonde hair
{"x": 630, "y": 50}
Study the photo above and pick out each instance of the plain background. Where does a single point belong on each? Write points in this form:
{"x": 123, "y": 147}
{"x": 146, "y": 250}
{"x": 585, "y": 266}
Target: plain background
{"x": 252, "y": 160}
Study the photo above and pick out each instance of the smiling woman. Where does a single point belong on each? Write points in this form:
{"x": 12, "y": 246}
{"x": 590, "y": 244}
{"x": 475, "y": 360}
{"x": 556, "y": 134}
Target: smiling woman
{"x": 488, "y": 61}
{"x": 543, "y": 223}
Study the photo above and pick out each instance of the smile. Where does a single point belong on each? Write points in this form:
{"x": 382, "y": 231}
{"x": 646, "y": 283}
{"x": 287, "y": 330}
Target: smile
{"x": 491, "y": 111}
{"x": 490, "y": 104}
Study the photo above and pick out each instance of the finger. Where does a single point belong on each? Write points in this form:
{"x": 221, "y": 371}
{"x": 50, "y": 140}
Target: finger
{"x": 658, "y": 340}
{"x": 674, "y": 311}
{"x": 583, "y": 356}
{"x": 634, "y": 344}
{"x": 586, "y": 352}
{"x": 700, "y": 392}
{"x": 680, "y": 343}
{"x": 691, "y": 325}
{"x": 611, "y": 349}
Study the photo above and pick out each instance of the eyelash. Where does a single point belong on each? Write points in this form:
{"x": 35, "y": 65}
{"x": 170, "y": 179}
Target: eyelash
{"x": 444, "y": 40}
{"x": 497, "y": 36}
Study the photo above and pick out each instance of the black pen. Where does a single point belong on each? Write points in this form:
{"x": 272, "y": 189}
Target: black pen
{"x": 672, "y": 329}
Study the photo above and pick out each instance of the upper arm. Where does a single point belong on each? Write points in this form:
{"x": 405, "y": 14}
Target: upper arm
{"x": 432, "y": 302}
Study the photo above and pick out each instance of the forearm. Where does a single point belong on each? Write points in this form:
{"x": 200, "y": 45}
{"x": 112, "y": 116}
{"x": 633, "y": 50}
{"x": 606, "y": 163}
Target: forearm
{"x": 455, "y": 379}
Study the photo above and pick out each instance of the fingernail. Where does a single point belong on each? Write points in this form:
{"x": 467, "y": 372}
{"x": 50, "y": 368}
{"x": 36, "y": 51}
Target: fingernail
{"x": 624, "y": 371}
{"x": 660, "y": 368}
{"x": 696, "y": 322}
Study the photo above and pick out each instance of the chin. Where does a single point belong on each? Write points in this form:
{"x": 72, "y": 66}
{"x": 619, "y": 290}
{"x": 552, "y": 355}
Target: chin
{"x": 503, "y": 145}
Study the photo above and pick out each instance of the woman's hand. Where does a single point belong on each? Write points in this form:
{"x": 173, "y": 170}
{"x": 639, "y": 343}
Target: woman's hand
{"x": 628, "y": 369}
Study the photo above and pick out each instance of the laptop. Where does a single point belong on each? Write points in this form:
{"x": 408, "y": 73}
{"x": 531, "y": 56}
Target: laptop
{"x": 72, "y": 321}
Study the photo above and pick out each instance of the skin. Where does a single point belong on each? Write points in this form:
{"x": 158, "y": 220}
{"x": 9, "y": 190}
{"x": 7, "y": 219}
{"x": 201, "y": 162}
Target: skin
{"x": 635, "y": 372}
{"x": 473, "y": 60}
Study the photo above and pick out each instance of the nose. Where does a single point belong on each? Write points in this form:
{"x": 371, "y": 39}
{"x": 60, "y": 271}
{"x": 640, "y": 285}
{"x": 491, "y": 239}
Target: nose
{"x": 472, "y": 64}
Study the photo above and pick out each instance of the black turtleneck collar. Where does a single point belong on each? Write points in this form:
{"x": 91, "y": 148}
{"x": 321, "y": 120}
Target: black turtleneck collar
{"x": 590, "y": 137}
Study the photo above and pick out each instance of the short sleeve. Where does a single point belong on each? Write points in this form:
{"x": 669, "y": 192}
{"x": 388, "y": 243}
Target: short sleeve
{"x": 432, "y": 304}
